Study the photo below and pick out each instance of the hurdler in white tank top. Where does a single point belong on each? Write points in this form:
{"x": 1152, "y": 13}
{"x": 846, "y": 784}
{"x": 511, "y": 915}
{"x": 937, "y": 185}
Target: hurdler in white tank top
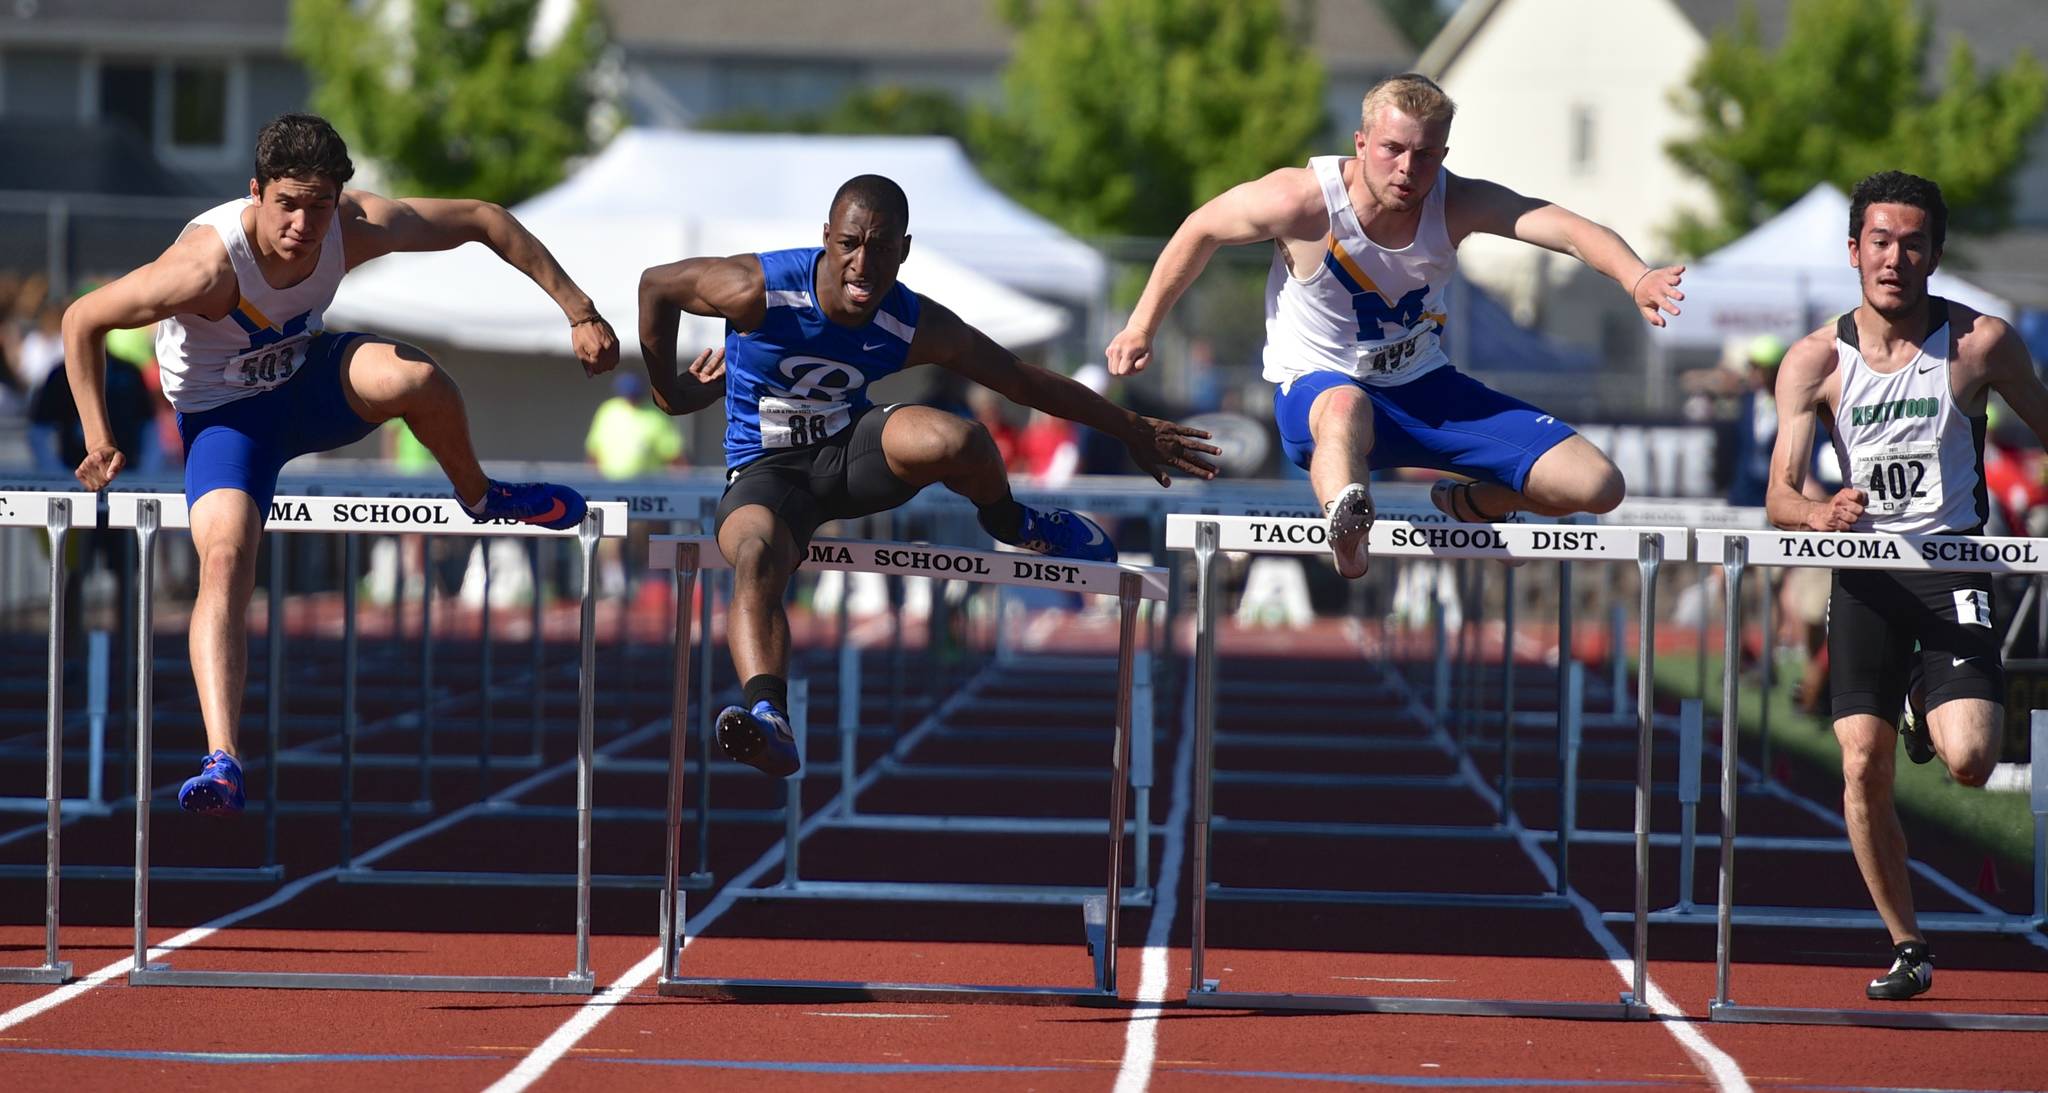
{"x": 1901, "y": 439}
{"x": 262, "y": 342}
{"x": 1367, "y": 311}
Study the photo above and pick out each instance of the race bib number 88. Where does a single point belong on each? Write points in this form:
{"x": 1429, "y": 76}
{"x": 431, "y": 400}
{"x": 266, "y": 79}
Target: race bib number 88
{"x": 267, "y": 366}
{"x": 800, "y": 422}
{"x": 1899, "y": 480}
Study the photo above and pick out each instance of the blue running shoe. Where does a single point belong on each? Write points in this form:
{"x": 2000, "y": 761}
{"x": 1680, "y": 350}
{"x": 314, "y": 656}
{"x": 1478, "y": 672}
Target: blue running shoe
{"x": 216, "y": 790}
{"x": 761, "y": 739}
{"x": 542, "y": 503}
{"x": 1063, "y": 533}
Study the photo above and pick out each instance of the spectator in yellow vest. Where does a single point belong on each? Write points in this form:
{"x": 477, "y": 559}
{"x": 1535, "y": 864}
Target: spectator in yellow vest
{"x": 630, "y": 436}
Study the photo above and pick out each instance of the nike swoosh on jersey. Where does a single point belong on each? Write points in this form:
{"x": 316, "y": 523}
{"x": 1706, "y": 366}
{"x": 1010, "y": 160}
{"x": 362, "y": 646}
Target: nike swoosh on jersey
{"x": 866, "y": 348}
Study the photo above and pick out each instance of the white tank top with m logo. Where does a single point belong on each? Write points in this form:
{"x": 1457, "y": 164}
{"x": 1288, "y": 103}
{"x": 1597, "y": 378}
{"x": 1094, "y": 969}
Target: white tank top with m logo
{"x": 261, "y": 343}
{"x": 1370, "y": 312}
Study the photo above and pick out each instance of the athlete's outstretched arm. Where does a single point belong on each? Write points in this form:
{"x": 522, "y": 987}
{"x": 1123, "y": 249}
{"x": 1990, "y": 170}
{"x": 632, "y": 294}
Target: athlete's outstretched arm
{"x": 2010, "y": 370}
{"x": 1787, "y": 500}
{"x": 192, "y": 277}
{"x": 1157, "y": 446}
{"x": 733, "y": 289}
{"x": 1264, "y": 208}
{"x": 374, "y": 226}
{"x": 1476, "y": 205}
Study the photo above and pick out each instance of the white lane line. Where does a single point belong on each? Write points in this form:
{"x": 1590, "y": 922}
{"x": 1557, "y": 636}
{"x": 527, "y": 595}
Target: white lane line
{"x": 292, "y": 891}
{"x": 1719, "y": 1066}
{"x": 193, "y": 936}
{"x": 1141, "y": 1034}
{"x": 558, "y": 1044}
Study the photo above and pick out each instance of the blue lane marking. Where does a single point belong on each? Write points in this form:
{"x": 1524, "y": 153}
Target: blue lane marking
{"x": 234, "y": 1057}
{"x": 1412, "y": 1081}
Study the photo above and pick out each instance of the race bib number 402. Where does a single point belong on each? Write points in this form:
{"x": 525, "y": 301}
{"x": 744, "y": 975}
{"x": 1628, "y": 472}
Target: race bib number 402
{"x": 1901, "y": 479}
{"x": 267, "y": 366}
{"x": 800, "y": 422}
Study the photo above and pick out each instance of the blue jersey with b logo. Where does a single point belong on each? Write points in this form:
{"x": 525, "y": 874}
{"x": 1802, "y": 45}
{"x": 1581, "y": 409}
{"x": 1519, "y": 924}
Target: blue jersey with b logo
{"x": 801, "y": 378}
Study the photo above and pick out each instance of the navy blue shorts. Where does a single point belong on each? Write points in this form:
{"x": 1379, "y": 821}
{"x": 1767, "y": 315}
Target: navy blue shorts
{"x": 245, "y": 443}
{"x": 1444, "y": 420}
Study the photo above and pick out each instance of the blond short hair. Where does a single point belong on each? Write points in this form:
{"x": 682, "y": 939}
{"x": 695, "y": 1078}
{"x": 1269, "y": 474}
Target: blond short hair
{"x": 1412, "y": 94}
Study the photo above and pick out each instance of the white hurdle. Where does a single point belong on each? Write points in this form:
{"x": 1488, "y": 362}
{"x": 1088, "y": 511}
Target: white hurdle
{"x": 689, "y": 555}
{"x": 57, "y": 513}
{"x": 1737, "y": 550}
{"x": 148, "y": 514}
{"x": 1207, "y": 535}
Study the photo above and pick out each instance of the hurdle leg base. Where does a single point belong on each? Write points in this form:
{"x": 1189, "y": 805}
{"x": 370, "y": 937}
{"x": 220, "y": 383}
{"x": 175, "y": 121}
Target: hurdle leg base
{"x": 807, "y": 990}
{"x": 60, "y": 972}
{"x": 1730, "y": 1013}
{"x": 160, "y": 975}
{"x": 1209, "y": 997}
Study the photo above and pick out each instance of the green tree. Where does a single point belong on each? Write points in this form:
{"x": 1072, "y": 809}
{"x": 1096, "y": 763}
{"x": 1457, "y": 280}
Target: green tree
{"x": 448, "y": 96}
{"x": 1121, "y": 116}
{"x": 1418, "y": 19}
{"x": 1846, "y": 94}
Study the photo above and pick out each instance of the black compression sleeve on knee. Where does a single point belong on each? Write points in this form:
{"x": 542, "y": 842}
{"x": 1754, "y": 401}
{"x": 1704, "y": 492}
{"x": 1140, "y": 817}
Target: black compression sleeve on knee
{"x": 773, "y": 688}
{"x": 1004, "y": 520}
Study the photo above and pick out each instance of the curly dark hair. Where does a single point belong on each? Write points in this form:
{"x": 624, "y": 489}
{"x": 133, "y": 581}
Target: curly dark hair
{"x": 1899, "y": 188}
{"x": 304, "y": 147}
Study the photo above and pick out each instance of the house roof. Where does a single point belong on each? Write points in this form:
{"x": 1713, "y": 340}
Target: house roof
{"x": 147, "y": 24}
{"x": 1351, "y": 35}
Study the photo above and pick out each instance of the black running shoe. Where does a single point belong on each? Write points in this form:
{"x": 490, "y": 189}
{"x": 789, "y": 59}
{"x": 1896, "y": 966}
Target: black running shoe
{"x": 760, "y": 738}
{"x": 1912, "y": 973}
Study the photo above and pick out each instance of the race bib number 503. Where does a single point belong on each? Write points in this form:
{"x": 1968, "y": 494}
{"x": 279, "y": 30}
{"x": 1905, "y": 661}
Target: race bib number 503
{"x": 267, "y": 366}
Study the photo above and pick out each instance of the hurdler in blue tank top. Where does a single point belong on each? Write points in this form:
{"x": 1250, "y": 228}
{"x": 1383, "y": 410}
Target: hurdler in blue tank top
{"x": 801, "y": 378}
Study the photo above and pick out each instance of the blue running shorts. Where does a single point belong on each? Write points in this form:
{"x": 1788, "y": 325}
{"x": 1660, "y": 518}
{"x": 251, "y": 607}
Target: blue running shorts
{"x": 244, "y": 444}
{"x": 1444, "y": 420}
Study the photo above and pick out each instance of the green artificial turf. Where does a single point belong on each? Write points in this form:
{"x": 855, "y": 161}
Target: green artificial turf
{"x": 1998, "y": 823}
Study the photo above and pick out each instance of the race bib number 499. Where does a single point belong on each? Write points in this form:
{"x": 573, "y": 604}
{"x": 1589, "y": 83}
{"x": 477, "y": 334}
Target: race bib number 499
{"x": 1901, "y": 479}
{"x": 800, "y": 422}
{"x": 1394, "y": 357}
{"x": 267, "y": 366}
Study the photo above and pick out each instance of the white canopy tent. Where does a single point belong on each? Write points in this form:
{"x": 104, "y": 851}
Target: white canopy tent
{"x": 653, "y": 197}
{"x": 1788, "y": 276}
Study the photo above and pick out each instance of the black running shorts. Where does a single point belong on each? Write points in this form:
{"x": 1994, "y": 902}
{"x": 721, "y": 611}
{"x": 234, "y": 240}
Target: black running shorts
{"x": 1876, "y": 616}
{"x": 845, "y": 476}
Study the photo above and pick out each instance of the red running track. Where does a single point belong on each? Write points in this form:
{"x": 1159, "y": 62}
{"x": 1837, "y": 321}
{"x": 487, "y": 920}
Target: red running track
{"x": 101, "y": 1033}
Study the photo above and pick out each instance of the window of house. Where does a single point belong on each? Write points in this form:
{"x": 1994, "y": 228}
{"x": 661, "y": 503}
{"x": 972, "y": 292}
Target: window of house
{"x": 128, "y": 94}
{"x": 199, "y": 105}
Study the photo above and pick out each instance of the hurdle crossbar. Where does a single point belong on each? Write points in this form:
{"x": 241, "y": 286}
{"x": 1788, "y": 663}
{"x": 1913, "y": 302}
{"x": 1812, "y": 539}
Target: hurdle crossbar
{"x": 1207, "y": 535}
{"x": 687, "y": 556}
{"x": 148, "y": 514}
{"x": 57, "y": 514}
{"x": 1737, "y": 550}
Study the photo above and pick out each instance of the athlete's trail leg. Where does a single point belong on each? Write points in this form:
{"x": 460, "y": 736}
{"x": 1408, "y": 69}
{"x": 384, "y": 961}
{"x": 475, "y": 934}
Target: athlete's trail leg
{"x": 1572, "y": 477}
{"x": 385, "y": 379}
